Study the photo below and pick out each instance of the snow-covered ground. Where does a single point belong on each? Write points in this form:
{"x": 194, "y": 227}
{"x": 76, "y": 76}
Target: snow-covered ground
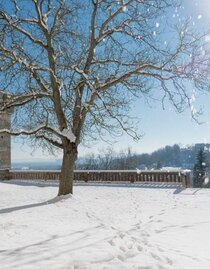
{"x": 103, "y": 226}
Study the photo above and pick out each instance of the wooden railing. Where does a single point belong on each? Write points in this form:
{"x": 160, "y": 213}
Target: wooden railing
{"x": 35, "y": 174}
{"x": 132, "y": 176}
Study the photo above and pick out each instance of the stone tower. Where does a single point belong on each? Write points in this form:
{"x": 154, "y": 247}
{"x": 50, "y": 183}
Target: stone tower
{"x": 5, "y": 139}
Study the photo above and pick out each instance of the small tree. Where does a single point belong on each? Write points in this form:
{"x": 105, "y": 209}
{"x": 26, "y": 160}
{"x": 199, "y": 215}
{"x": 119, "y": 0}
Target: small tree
{"x": 199, "y": 169}
{"x": 159, "y": 165}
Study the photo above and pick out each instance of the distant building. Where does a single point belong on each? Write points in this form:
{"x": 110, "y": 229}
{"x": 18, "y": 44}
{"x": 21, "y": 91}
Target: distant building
{"x": 5, "y": 139}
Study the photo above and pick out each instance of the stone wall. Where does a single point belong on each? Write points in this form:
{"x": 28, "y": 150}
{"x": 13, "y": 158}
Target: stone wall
{"x": 5, "y": 139}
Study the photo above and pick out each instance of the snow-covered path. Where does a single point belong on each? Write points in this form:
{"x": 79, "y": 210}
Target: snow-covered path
{"x": 107, "y": 227}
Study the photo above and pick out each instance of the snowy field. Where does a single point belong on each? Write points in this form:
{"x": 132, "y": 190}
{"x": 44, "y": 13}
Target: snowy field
{"x": 109, "y": 227}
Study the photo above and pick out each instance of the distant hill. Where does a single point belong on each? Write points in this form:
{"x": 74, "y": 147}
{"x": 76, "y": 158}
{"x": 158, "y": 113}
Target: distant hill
{"x": 169, "y": 156}
{"x": 174, "y": 156}
{"x": 37, "y": 165}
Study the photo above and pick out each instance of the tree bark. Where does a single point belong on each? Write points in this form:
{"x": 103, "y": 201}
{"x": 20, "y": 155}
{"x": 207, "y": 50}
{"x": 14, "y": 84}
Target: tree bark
{"x": 67, "y": 170}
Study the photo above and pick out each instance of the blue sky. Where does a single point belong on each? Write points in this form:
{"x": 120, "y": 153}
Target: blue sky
{"x": 160, "y": 127}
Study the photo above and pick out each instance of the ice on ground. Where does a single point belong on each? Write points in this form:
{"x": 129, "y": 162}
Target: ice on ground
{"x": 103, "y": 226}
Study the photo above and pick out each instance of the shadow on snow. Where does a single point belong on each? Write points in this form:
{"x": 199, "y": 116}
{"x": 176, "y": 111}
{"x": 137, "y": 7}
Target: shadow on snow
{"x": 36, "y": 183}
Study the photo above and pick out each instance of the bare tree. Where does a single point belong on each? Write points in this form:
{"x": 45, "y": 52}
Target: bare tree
{"x": 105, "y": 158}
{"x": 71, "y": 68}
{"x": 88, "y": 162}
{"x": 125, "y": 160}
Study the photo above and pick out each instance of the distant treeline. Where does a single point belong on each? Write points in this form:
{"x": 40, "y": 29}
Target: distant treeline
{"x": 169, "y": 156}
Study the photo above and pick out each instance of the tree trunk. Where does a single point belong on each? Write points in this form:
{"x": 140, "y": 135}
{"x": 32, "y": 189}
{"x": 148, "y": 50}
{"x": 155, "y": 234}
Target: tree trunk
{"x": 67, "y": 170}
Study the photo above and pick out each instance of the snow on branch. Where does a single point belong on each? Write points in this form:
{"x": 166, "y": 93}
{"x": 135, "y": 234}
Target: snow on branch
{"x": 111, "y": 17}
{"x": 129, "y": 73}
{"x": 36, "y": 130}
{"x": 69, "y": 134}
{"x": 22, "y": 132}
{"x": 15, "y": 101}
{"x": 21, "y": 30}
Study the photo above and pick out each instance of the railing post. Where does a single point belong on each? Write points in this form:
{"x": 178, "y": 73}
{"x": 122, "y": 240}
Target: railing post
{"x": 186, "y": 181}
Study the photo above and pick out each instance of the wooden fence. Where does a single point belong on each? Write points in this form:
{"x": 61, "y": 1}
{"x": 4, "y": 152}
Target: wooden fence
{"x": 155, "y": 176}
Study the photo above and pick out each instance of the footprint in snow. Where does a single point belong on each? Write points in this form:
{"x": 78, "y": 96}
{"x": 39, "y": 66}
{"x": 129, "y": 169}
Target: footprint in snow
{"x": 121, "y": 258}
{"x": 139, "y": 248}
{"x": 123, "y": 249}
{"x": 122, "y": 235}
{"x": 111, "y": 242}
{"x": 169, "y": 261}
{"x": 160, "y": 249}
{"x": 155, "y": 256}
